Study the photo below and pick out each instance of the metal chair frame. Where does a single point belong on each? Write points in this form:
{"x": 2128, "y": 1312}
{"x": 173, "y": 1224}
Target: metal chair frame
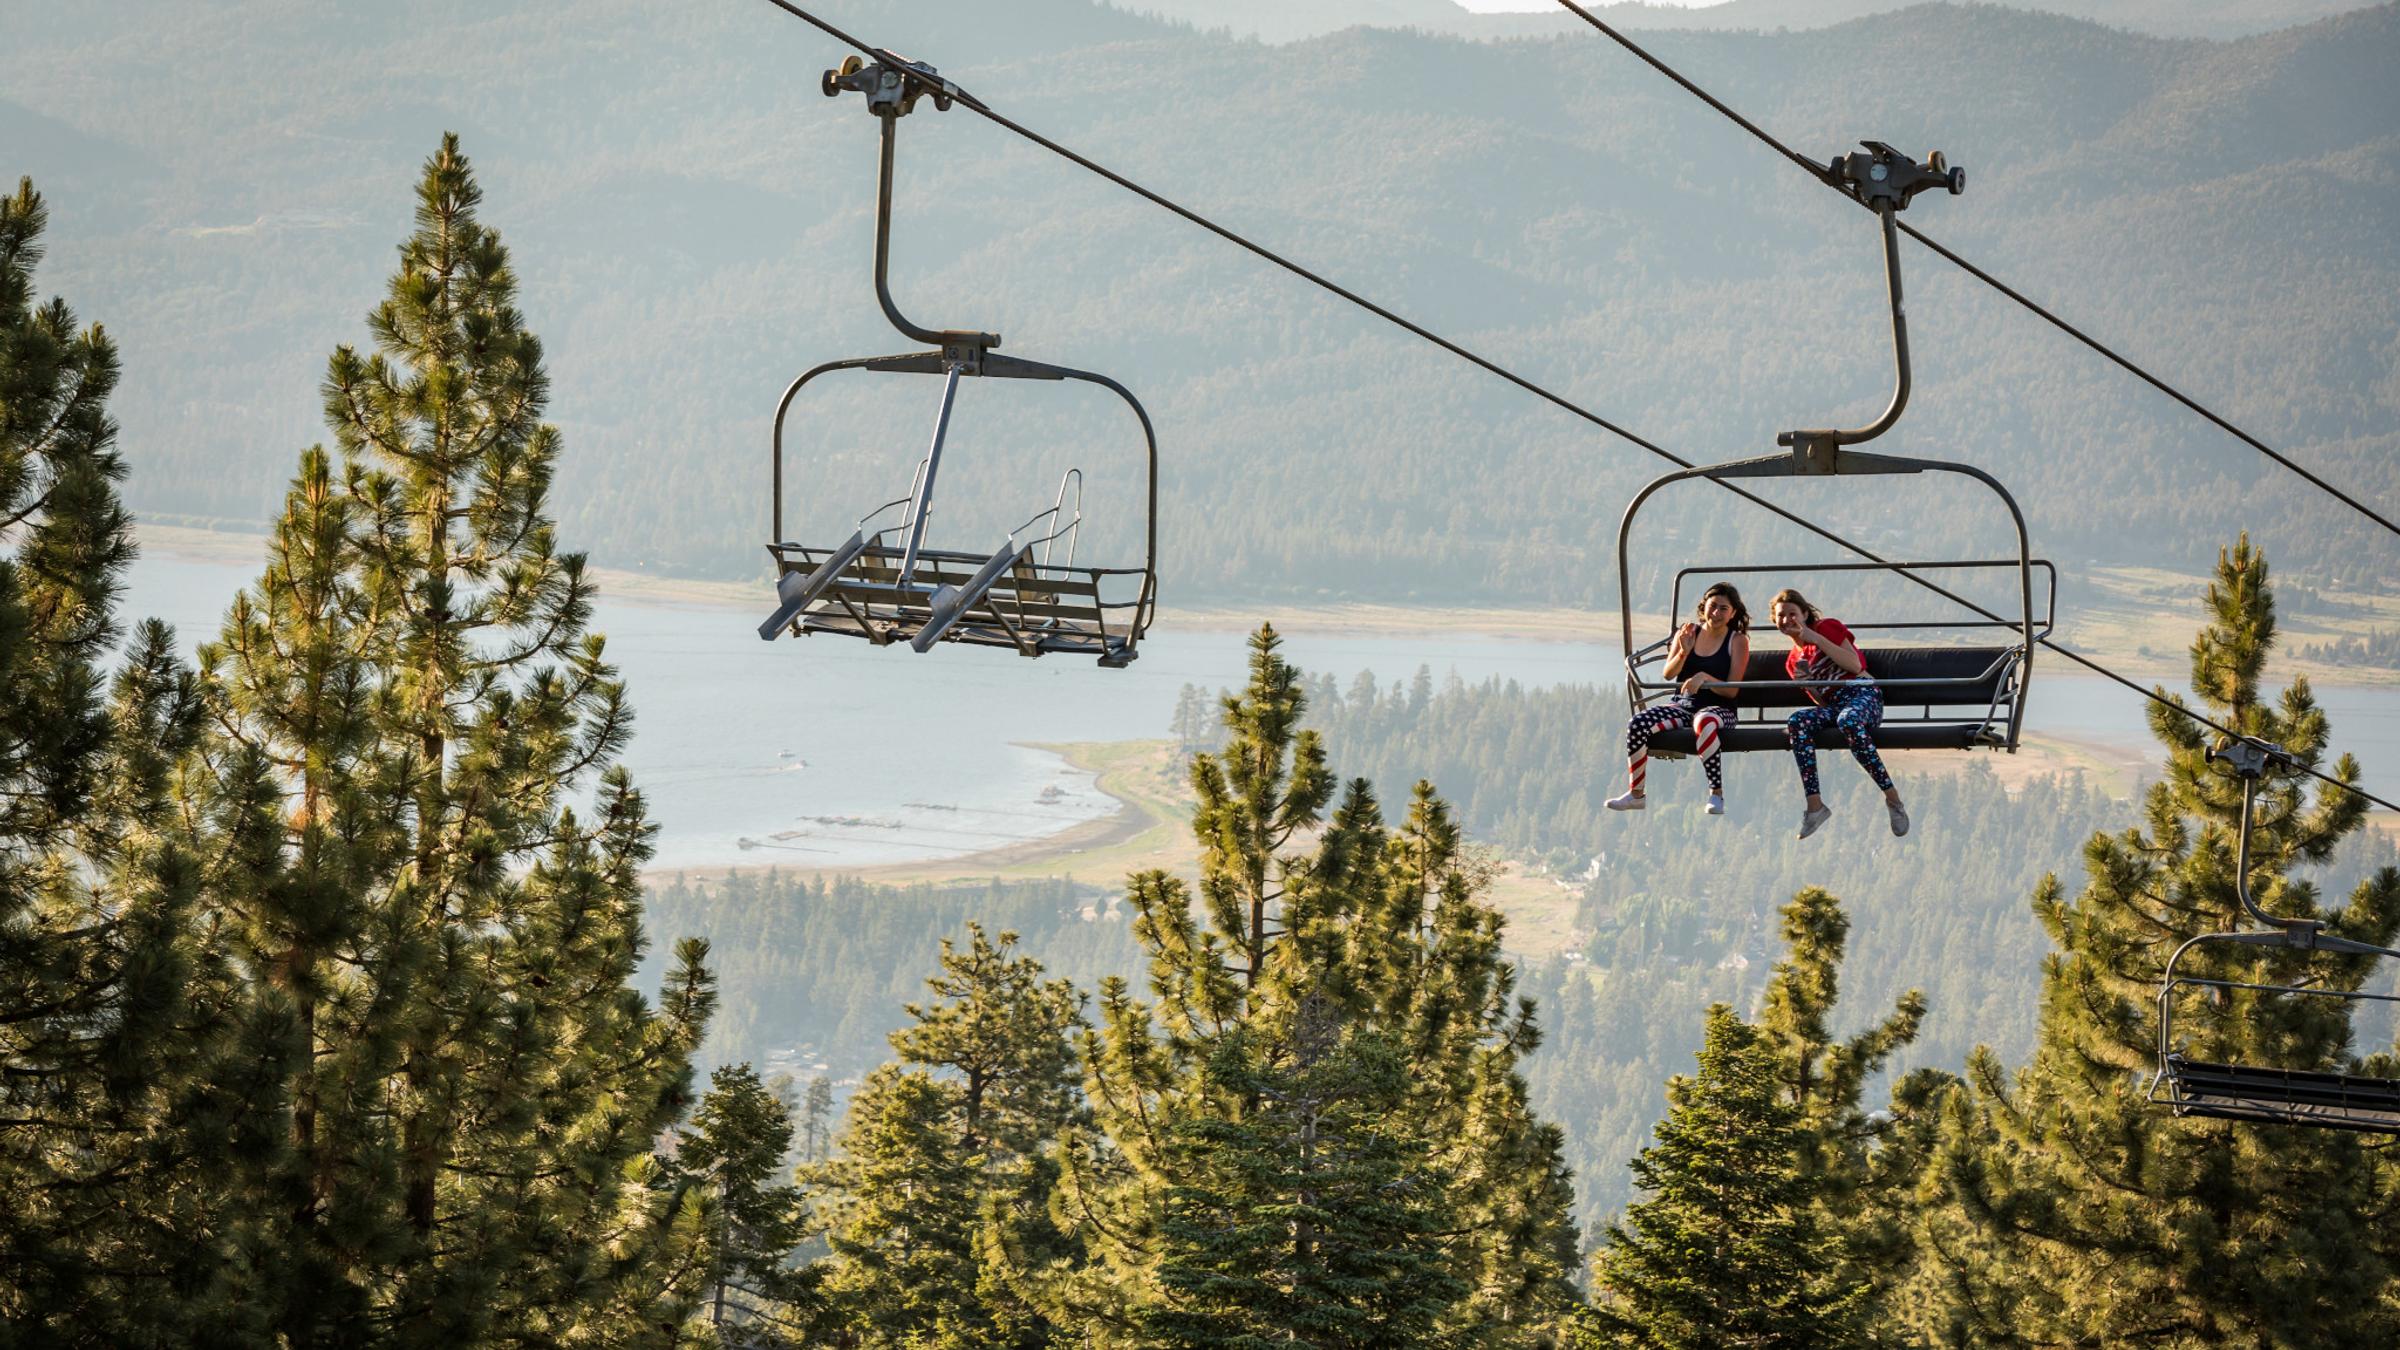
{"x": 868, "y": 588}
{"x": 1884, "y": 181}
{"x": 2317, "y": 1098}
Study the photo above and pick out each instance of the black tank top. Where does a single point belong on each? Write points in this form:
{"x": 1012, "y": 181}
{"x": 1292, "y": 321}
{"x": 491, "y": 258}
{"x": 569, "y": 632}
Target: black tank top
{"x": 1718, "y": 665}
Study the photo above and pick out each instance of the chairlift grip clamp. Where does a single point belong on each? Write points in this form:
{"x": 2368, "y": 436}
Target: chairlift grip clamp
{"x": 1882, "y": 177}
{"x": 2250, "y": 759}
{"x": 892, "y": 84}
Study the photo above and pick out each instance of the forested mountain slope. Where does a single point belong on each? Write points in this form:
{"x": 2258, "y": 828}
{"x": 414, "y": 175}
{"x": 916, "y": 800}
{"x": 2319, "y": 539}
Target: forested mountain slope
{"x": 2228, "y": 212}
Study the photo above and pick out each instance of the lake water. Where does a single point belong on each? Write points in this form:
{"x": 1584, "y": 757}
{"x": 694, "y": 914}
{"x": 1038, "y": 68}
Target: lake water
{"x": 832, "y": 753}
{"x": 828, "y": 753}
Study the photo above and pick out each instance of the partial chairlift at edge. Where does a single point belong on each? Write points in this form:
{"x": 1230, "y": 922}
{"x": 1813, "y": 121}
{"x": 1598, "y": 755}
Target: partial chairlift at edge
{"x": 1962, "y": 697}
{"x": 884, "y": 583}
{"x": 2192, "y": 1087}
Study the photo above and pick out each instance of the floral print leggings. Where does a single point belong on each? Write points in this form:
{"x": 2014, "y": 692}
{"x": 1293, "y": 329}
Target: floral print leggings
{"x": 1856, "y": 711}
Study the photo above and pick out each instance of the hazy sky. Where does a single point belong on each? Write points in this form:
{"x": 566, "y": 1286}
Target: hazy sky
{"x": 1499, "y": 6}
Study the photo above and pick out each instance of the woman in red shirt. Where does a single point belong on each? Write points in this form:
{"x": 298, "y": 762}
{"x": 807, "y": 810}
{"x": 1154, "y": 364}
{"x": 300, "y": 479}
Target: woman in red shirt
{"x": 1823, "y": 650}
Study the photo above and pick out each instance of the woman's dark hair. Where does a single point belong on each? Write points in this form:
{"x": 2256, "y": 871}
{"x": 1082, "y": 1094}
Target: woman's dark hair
{"x": 1788, "y": 596}
{"x": 1741, "y": 612}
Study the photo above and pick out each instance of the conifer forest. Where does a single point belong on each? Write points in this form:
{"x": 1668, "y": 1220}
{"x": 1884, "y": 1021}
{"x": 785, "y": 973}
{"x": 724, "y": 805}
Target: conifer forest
{"x": 346, "y": 998}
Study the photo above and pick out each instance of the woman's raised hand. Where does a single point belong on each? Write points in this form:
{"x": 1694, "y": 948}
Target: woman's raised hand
{"x": 1686, "y": 636}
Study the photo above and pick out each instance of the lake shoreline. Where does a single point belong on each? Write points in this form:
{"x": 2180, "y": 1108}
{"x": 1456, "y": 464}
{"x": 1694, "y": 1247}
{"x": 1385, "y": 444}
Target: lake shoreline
{"x": 1139, "y": 832}
{"x": 2113, "y": 637}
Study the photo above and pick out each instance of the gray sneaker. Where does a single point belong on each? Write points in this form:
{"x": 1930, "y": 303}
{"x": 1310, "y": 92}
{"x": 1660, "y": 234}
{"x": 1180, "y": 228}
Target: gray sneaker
{"x": 1810, "y": 819}
{"x": 1899, "y": 820}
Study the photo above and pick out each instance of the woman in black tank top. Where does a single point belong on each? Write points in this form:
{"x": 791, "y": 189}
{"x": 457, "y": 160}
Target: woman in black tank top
{"x": 1703, "y": 703}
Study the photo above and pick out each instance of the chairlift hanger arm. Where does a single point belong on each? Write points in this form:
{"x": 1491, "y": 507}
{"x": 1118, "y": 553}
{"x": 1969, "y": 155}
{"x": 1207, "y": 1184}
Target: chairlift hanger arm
{"x": 2253, "y": 760}
{"x": 1884, "y": 181}
{"x": 892, "y": 86}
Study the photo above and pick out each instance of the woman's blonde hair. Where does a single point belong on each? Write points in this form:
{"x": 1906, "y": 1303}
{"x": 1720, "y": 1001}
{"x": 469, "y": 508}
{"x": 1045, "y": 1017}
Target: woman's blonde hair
{"x": 1788, "y": 596}
{"x": 1741, "y": 612}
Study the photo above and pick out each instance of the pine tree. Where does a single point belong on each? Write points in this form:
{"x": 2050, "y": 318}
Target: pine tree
{"x": 1313, "y": 929}
{"x": 1308, "y": 1218}
{"x": 1001, "y": 1032}
{"x": 98, "y": 1034}
{"x": 816, "y": 1115}
{"x": 735, "y": 1144}
{"x": 897, "y": 1206}
{"x": 2076, "y": 1212}
{"x": 956, "y": 1143}
{"x": 432, "y": 947}
{"x": 1860, "y": 1171}
{"x": 1726, "y": 1249}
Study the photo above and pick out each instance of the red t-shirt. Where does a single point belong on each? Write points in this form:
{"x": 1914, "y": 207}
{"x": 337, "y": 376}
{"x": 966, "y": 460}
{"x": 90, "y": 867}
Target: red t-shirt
{"x": 1807, "y": 662}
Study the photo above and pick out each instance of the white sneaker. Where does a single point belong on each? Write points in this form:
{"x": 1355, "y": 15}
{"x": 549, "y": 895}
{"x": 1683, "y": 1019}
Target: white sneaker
{"x": 1716, "y": 804}
{"x": 1899, "y": 820}
{"x": 1630, "y": 801}
{"x": 1812, "y": 819}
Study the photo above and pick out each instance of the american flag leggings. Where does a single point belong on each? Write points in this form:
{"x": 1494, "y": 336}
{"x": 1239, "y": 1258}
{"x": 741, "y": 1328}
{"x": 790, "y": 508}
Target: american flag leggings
{"x": 1676, "y": 713}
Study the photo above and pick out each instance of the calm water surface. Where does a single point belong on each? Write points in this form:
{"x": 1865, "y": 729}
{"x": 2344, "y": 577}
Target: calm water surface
{"x": 831, "y": 753}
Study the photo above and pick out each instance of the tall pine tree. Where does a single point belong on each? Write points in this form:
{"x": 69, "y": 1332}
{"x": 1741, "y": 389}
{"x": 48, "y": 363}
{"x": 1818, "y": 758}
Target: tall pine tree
{"x": 1727, "y": 1250}
{"x": 432, "y": 945}
{"x": 736, "y": 1144}
{"x": 946, "y": 1144}
{"x": 2075, "y": 1212}
{"x": 98, "y": 1034}
{"x": 1323, "y": 946}
{"x": 1860, "y": 1170}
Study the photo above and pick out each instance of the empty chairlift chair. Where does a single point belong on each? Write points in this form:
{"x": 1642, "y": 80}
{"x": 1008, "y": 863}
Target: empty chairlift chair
{"x": 2256, "y": 1092}
{"x": 885, "y": 582}
{"x": 1939, "y": 695}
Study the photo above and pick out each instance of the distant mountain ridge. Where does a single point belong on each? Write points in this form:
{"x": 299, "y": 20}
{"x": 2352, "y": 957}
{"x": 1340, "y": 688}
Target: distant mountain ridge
{"x": 1293, "y": 20}
{"x": 692, "y": 220}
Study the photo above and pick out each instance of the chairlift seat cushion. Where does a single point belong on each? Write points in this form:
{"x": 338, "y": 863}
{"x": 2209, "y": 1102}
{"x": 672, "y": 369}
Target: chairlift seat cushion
{"x": 1966, "y": 682}
{"x": 2288, "y": 1096}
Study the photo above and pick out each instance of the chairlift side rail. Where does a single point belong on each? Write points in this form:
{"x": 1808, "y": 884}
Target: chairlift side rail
{"x": 1024, "y": 554}
{"x": 896, "y": 501}
{"x": 2004, "y": 689}
{"x": 1146, "y": 606}
{"x": 783, "y": 406}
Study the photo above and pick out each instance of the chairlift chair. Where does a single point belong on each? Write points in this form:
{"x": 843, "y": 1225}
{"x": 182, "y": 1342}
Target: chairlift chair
{"x": 1938, "y": 697}
{"x": 886, "y": 583}
{"x": 2265, "y": 1093}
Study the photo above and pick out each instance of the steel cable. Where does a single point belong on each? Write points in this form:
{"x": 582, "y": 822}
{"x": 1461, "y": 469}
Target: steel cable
{"x": 1817, "y": 171}
{"x": 1560, "y": 401}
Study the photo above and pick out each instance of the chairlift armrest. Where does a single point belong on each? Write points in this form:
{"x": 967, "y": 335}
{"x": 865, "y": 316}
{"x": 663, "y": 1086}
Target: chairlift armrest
{"x": 896, "y": 501}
